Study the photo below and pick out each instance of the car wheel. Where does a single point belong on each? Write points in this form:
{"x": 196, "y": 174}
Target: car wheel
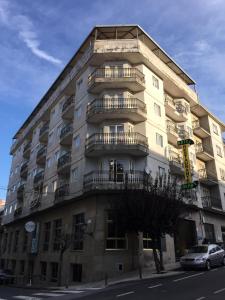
{"x": 208, "y": 265}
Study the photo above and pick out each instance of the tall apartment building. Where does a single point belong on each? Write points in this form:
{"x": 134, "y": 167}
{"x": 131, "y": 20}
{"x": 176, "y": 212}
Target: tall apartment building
{"x": 119, "y": 107}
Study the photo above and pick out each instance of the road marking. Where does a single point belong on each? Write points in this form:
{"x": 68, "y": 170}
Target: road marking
{"x": 190, "y": 276}
{"x": 67, "y": 292}
{"x": 201, "y": 298}
{"x": 48, "y": 294}
{"x": 219, "y": 291}
{"x": 124, "y": 294}
{"x": 27, "y": 298}
{"x": 213, "y": 270}
{"x": 154, "y": 286}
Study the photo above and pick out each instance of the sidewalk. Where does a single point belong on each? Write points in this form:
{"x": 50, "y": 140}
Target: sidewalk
{"x": 147, "y": 273}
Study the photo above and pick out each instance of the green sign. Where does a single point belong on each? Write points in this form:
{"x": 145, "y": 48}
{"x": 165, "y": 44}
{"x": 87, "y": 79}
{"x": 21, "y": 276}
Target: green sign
{"x": 185, "y": 142}
{"x": 190, "y": 185}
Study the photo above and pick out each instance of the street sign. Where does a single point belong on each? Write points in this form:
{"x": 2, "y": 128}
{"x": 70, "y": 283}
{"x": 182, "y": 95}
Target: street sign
{"x": 185, "y": 142}
{"x": 30, "y": 226}
{"x": 190, "y": 185}
{"x": 187, "y": 164}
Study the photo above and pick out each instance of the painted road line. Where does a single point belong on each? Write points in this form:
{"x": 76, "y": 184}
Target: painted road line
{"x": 27, "y": 298}
{"x": 125, "y": 294}
{"x": 48, "y": 294}
{"x": 213, "y": 270}
{"x": 68, "y": 291}
{"x": 201, "y": 298}
{"x": 154, "y": 286}
{"x": 219, "y": 291}
{"x": 190, "y": 276}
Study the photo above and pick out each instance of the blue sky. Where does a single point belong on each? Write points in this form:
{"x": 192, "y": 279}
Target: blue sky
{"x": 39, "y": 37}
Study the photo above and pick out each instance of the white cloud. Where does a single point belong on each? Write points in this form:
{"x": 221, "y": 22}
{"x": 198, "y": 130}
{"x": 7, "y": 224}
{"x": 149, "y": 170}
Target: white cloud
{"x": 25, "y": 29}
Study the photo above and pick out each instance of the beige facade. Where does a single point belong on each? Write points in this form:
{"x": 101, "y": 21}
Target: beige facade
{"x": 119, "y": 107}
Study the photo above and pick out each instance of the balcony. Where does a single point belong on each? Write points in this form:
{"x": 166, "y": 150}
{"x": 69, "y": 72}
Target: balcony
{"x": 199, "y": 130}
{"x": 18, "y": 211}
{"x": 66, "y": 135}
{"x": 211, "y": 202}
{"x": 132, "y": 143}
{"x": 175, "y": 110}
{"x": 61, "y": 192}
{"x": 38, "y": 178}
{"x": 64, "y": 162}
{"x": 26, "y": 150}
{"x": 119, "y": 78}
{"x": 20, "y": 192}
{"x": 207, "y": 178}
{"x": 204, "y": 152}
{"x": 68, "y": 108}
{"x": 41, "y": 155}
{"x": 24, "y": 170}
{"x": 106, "y": 180}
{"x": 131, "y": 109}
{"x": 43, "y": 135}
{"x": 172, "y": 133}
{"x": 175, "y": 163}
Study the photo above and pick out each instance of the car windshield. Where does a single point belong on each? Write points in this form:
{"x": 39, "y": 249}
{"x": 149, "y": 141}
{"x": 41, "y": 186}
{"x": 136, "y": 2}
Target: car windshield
{"x": 199, "y": 249}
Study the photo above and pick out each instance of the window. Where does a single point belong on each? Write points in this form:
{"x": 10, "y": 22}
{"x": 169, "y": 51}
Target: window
{"x": 215, "y": 129}
{"x": 59, "y": 130}
{"x": 75, "y": 174}
{"x": 43, "y": 267}
{"x": 76, "y": 272}
{"x": 77, "y": 141}
{"x": 155, "y": 82}
{"x": 16, "y": 239}
{"x": 10, "y": 242}
{"x": 48, "y": 162}
{"x": 50, "y": 138}
{"x": 78, "y": 231}
{"x": 219, "y": 151}
{"x": 157, "y": 109}
{"x": 159, "y": 139}
{"x": 22, "y": 267}
{"x": 78, "y": 112}
{"x": 147, "y": 241}
{"x": 45, "y": 190}
{"x": 54, "y": 185}
{"x": 222, "y": 174}
{"x": 190, "y": 132}
{"x": 54, "y": 272}
{"x": 57, "y": 153}
{"x": 47, "y": 234}
{"x": 4, "y": 247}
{"x": 116, "y": 238}
{"x": 161, "y": 171}
{"x": 57, "y": 234}
{"x": 209, "y": 233}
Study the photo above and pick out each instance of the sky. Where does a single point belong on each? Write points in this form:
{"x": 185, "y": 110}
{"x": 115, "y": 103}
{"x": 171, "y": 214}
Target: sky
{"x": 37, "y": 39}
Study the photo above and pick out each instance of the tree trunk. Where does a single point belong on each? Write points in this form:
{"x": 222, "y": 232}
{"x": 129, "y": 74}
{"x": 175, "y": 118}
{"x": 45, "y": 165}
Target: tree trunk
{"x": 156, "y": 258}
{"x": 161, "y": 256}
{"x": 140, "y": 253}
{"x": 60, "y": 267}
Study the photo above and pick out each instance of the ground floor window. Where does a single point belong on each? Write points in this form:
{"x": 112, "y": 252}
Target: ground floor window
{"x": 54, "y": 272}
{"x": 43, "y": 265}
{"x": 22, "y": 267}
{"x": 76, "y": 272}
{"x": 147, "y": 241}
{"x": 115, "y": 237}
{"x": 209, "y": 233}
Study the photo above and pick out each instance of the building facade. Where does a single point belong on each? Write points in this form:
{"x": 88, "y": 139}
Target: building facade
{"x": 118, "y": 108}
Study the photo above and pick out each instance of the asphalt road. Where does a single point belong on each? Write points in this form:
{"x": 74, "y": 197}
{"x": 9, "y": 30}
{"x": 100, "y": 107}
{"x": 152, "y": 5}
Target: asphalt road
{"x": 192, "y": 285}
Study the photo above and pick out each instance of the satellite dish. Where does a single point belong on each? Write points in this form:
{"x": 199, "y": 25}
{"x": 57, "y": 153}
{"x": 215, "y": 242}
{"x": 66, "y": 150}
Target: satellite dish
{"x": 30, "y": 226}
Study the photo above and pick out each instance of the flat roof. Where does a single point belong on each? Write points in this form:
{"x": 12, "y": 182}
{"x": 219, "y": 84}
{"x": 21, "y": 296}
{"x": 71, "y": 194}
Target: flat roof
{"x": 110, "y": 32}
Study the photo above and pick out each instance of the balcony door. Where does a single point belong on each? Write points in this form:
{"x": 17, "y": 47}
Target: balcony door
{"x": 116, "y": 170}
{"x": 114, "y": 71}
{"x": 116, "y": 133}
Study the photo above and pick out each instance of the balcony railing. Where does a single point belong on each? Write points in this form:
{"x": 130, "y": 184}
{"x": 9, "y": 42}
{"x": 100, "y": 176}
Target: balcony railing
{"x": 115, "y": 104}
{"x": 68, "y": 129}
{"x": 123, "y": 141}
{"x": 39, "y": 177}
{"x": 43, "y": 134}
{"x": 106, "y": 180}
{"x": 20, "y": 192}
{"x": 61, "y": 192}
{"x": 18, "y": 211}
{"x": 171, "y": 127}
{"x": 24, "y": 169}
{"x": 27, "y": 147}
{"x": 200, "y": 148}
{"x": 41, "y": 152}
{"x": 180, "y": 108}
{"x": 200, "y": 130}
{"x": 64, "y": 160}
{"x": 36, "y": 202}
{"x": 211, "y": 202}
{"x": 68, "y": 103}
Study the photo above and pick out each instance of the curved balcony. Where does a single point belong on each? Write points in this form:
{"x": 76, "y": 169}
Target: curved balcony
{"x": 172, "y": 132}
{"x": 204, "y": 152}
{"x": 131, "y": 109}
{"x": 20, "y": 192}
{"x": 211, "y": 202}
{"x": 38, "y": 178}
{"x": 207, "y": 178}
{"x": 43, "y": 134}
{"x": 106, "y": 180}
{"x": 132, "y": 143}
{"x": 175, "y": 163}
{"x": 61, "y": 192}
{"x": 120, "y": 78}
{"x": 27, "y": 150}
{"x": 199, "y": 130}
{"x": 63, "y": 165}
{"x": 68, "y": 108}
{"x": 24, "y": 170}
{"x": 66, "y": 135}
{"x": 175, "y": 110}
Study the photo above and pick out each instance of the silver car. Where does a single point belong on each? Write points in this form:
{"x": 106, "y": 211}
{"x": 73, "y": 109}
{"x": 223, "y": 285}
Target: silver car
{"x": 203, "y": 256}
